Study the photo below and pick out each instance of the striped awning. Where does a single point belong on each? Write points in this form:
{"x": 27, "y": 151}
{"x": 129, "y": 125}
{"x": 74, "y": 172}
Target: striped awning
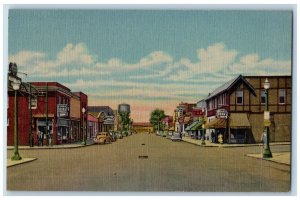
{"x": 198, "y": 126}
{"x": 216, "y": 123}
{"x": 191, "y": 126}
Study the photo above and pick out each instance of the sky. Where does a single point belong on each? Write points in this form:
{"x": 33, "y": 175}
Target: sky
{"x": 148, "y": 58}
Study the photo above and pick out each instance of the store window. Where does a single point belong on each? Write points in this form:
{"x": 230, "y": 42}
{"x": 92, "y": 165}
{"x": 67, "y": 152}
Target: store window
{"x": 282, "y": 96}
{"x": 263, "y": 97}
{"x": 239, "y": 97}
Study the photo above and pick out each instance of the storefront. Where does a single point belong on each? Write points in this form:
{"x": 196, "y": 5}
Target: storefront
{"x": 42, "y": 137}
{"x": 74, "y": 130}
{"x": 63, "y": 131}
{"x": 237, "y": 124}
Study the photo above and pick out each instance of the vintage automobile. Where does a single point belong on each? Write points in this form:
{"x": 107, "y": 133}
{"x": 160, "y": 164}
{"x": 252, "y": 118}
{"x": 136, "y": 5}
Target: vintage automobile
{"x": 113, "y": 136}
{"x": 102, "y": 138}
{"x": 119, "y": 135}
{"x": 176, "y": 137}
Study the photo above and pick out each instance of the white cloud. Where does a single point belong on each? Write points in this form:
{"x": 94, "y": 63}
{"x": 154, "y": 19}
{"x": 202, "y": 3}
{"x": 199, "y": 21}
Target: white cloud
{"x": 253, "y": 65}
{"x": 24, "y": 57}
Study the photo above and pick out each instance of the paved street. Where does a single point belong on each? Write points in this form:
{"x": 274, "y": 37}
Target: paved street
{"x": 170, "y": 166}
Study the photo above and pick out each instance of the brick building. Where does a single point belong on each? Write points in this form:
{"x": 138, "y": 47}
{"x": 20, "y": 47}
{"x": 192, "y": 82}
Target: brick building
{"x": 52, "y": 105}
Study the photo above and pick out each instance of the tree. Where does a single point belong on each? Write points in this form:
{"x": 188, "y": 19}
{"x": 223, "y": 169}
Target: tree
{"x": 155, "y": 118}
{"x": 125, "y": 120}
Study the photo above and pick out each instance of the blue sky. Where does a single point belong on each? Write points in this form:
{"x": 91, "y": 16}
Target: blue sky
{"x": 148, "y": 58}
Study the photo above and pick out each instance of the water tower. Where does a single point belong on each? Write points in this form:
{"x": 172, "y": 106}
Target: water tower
{"x": 124, "y": 108}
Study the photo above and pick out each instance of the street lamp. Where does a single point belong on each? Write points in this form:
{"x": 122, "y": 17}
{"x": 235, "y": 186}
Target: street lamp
{"x": 83, "y": 127}
{"x": 15, "y": 83}
{"x": 267, "y": 152}
{"x": 203, "y": 133}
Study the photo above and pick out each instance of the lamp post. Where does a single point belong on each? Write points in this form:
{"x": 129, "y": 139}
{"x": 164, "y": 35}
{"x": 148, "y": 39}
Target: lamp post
{"x": 203, "y": 132}
{"x": 16, "y": 82}
{"x": 267, "y": 152}
{"x": 83, "y": 127}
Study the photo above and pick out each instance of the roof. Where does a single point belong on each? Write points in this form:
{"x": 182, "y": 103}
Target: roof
{"x": 229, "y": 85}
{"x": 106, "y": 109}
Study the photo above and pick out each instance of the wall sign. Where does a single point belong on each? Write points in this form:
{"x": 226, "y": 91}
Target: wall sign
{"x": 62, "y": 110}
{"x": 222, "y": 113}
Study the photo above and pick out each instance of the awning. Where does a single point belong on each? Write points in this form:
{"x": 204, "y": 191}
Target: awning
{"x": 216, "y": 123}
{"x": 191, "y": 126}
{"x": 198, "y": 126}
{"x": 42, "y": 115}
{"x": 239, "y": 120}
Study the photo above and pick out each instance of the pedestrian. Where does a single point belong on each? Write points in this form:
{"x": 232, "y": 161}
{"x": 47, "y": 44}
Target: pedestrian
{"x": 213, "y": 137}
{"x": 38, "y": 138}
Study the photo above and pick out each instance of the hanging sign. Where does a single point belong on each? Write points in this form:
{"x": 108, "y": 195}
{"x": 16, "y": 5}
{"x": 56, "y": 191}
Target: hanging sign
{"x": 222, "y": 113}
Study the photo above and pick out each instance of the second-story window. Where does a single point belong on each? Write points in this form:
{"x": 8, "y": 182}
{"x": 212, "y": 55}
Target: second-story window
{"x": 239, "y": 97}
{"x": 263, "y": 97}
{"x": 282, "y": 96}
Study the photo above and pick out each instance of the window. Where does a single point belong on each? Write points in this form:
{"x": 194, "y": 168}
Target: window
{"x": 263, "y": 97}
{"x": 59, "y": 99}
{"x": 33, "y": 102}
{"x": 239, "y": 97}
{"x": 282, "y": 95}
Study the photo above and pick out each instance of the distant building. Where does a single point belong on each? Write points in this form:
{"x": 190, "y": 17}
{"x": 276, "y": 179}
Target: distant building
{"x": 142, "y": 127}
{"x": 105, "y": 117}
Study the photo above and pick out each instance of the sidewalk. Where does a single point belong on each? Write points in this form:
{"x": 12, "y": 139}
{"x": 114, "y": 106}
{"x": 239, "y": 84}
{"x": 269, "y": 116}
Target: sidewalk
{"x": 10, "y": 163}
{"x": 61, "y": 146}
{"x": 282, "y": 158}
{"x": 210, "y": 144}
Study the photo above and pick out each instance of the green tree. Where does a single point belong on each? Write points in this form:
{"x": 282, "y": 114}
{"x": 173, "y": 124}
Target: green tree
{"x": 125, "y": 118}
{"x": 155, "y": 118}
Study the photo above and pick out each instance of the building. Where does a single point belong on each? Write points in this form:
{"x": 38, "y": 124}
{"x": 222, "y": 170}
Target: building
{"x": 183, "y": 116}
{"x": 53, "y": 120}
{"x": 142, "y": 127}
{"x": 105, "y": 117}
{"x": 93, "y": 127}
{"x": 168, "y": 123}
{"x": 236, "y": 109}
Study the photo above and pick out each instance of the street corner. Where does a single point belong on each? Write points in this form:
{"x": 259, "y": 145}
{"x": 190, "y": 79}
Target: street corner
{"x": 281, "y": 158}
{"x": 10, "y": 163}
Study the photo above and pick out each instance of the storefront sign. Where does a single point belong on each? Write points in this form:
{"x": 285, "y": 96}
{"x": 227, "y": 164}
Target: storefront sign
{"x": 222, "y": 113}
{"x": 62, "y": 110}
{"x": 63, "y": 122}
{"x": 267, "y": 115}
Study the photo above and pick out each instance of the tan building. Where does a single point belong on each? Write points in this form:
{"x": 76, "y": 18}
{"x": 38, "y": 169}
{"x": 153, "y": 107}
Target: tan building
{"x": 243, "y": 100}
{"x": 142, "y": 127}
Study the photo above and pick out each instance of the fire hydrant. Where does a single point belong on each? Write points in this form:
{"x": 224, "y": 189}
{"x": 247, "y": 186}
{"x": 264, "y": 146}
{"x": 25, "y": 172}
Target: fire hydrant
{"x": 220, "y": 138}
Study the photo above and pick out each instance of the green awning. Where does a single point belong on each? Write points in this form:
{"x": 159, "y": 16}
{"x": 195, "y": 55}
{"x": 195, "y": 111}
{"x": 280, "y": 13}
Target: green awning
{"x": 191, "y": 126}
{"x": 197, "y": 126}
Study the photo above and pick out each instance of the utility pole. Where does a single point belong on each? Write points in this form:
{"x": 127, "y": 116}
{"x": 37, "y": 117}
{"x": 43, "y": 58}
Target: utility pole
{"x": 47, "y": 125}
{"x": 30, "y": 122}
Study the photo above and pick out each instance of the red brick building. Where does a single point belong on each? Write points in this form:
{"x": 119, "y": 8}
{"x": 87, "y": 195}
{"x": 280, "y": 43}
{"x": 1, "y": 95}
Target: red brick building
{"x": 51, "y": 95}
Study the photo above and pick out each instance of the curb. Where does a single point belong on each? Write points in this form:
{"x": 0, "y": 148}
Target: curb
{"x": 234, "y": 146}
{"x": 268, "y": 159}
{"x": 20, "y": 163}
{"x": 38, "y": 148}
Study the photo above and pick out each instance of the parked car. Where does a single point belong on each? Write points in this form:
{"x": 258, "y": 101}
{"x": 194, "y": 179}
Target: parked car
{"x": 102, "y": 138}
{"x": 176, "y": 137}
{"x": 119, "y": 135}
{"x": 113, "y": 136}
